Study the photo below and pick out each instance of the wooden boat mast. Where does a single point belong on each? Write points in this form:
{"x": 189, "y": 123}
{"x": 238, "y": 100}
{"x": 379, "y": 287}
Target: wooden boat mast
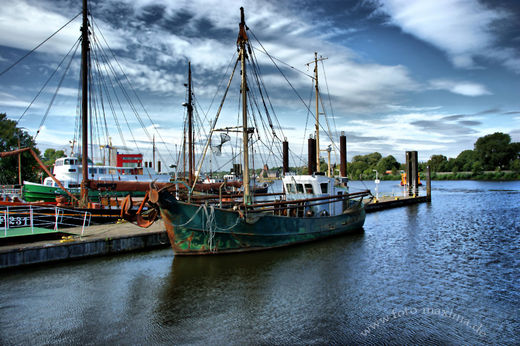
{"x": 84, "y": 105}
{"x": 190, "y": 128}
{"x": 317, "y": 108}
{"x": 242, "y": 40}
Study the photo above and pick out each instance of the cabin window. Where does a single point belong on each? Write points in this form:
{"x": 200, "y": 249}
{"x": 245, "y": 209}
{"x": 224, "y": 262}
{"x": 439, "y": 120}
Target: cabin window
{"x": 72, "y": 170}
{"x": 290, "y": 188}
{"x": 299, "y": 188}
{"x": 102, "y": 170}
{"x": 74, "y": 185}
{"x": 68, "y": 162}
{"x": 59, "y": 163}
{"x": 308, "y": 189}
{"x": 48, "y": 183}
{"x": 324, "y": 187}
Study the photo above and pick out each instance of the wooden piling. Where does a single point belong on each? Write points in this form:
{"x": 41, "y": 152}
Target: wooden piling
{"x": 343, "y": 154}
{"x": 311, "y": 164}
{"x": 429, "y": 183}
{"x": 285, "y": 147}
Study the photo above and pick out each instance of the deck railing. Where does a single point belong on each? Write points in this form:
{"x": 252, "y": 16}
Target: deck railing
{"x": 49, "y": 217}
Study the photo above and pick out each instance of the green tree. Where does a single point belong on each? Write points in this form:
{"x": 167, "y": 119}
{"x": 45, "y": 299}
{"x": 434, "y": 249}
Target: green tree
{"x": 515, "y": 166}
{"x": 476, "y": 168}
{"x": 465, "y": 159}
{"x": 438, "y": 163}
{"x": 496, "y": 150}
{"x": 9, "y": 135}
{"x": 386, "y": 164}
{"x": 50, "y": 155}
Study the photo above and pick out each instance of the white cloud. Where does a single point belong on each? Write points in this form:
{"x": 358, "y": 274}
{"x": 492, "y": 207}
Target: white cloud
{"x": 464, "y": 29}
{"x": 25, "y": 24}
{"x": 8, "y": 100}
{"x": 461, "y": 88}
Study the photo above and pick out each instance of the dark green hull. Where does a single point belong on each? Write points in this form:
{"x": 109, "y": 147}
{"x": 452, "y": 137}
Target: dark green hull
{"x": 34, "y": 193}
{"x": 228, "y": 231}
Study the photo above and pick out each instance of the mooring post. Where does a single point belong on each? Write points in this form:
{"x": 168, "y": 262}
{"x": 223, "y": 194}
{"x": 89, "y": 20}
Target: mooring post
{"x": 409, "y": 173}
{"x": 429, "y": 183}
{"x": 415, "y": 178}
{"x": 311, "y": 164}
{"x": 285, "y": 146}
{"x": 343, "y": 155}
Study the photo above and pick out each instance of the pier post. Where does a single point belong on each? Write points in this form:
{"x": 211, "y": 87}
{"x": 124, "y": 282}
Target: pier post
{"x": 343, "y": 154}
{"x": 409, "y": 172}
{"x": 415, "y": 178}
{"x": 429, "y": 183}
{"x": 285, "y": 147}
{"x": 311, "y": 162}
{"x": 412, "y": 173}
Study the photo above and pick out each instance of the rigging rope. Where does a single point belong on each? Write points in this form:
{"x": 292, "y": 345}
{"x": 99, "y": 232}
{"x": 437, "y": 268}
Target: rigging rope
{"x": 38, "y": 46}
{"x": 290, "y": 84}
{"x": 139, "y": 101}
{"x": 76, "y": 44}
{"x": 56, "y": 92}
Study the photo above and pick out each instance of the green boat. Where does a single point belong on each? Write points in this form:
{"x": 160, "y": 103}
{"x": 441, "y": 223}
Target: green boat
{"x": 201, "y": 228}
{"x": 108, "y": 181}
{"x": 33, "y": 192}
{"x": 310, "y": 207}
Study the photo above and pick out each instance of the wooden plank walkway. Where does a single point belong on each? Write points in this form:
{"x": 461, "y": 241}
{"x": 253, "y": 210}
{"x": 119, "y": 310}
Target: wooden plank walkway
{"x": 388, "y": 202}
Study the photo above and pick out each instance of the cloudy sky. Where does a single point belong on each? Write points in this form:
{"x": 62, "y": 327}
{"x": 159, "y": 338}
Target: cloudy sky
{"x": 426, "y": 75}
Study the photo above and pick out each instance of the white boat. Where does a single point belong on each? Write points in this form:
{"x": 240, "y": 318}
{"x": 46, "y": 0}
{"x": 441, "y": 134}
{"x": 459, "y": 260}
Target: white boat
{"x": 68, "y": 170}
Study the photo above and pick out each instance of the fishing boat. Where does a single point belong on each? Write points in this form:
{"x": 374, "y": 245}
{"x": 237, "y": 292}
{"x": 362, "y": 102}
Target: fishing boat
{"x": 310, "y": 207}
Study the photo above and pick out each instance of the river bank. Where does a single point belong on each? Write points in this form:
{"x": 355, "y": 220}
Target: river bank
{"x": 481, "y": 176}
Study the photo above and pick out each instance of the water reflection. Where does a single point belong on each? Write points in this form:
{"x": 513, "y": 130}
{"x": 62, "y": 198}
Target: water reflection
{"x": 458, "y": 254}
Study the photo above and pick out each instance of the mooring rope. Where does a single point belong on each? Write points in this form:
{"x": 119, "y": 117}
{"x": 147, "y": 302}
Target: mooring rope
{"x": 210, "y": 226}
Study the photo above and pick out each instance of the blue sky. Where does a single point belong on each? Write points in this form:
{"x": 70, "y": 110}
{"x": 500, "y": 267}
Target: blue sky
{"x": 431, "y": 76}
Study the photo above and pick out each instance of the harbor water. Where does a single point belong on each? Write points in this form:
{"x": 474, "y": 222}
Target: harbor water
{"x": 445, "y": 272}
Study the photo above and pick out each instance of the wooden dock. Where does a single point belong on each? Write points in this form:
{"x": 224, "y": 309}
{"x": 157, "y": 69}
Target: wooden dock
{"x": 389, "y": 202}
{"x": 99, "y": 240}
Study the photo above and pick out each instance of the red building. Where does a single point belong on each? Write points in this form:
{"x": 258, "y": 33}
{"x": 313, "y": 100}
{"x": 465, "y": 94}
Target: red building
{"x": 129, "y": 160}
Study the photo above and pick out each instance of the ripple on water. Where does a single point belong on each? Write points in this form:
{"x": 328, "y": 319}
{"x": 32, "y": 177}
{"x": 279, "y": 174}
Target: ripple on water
{"x": 458, "y": 254}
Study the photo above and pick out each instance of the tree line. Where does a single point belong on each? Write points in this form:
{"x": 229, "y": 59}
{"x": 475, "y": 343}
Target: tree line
{"x": 494, "y": 156}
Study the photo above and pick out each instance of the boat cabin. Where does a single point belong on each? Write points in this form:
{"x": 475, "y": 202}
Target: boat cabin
{"x": 309, "y": 186}
{"x": 68, "y": 170}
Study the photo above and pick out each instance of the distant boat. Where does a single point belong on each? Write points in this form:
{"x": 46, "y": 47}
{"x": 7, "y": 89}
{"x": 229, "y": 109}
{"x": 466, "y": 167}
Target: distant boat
{"x": 106, "y": 178}
{"x": 311, "y": 207}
